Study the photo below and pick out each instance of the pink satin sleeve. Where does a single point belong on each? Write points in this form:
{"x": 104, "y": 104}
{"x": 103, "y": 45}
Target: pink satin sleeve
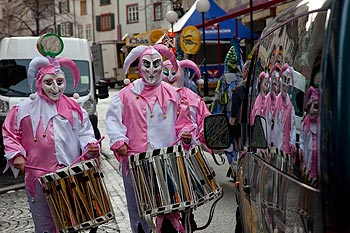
{"x": 12, "y": 134}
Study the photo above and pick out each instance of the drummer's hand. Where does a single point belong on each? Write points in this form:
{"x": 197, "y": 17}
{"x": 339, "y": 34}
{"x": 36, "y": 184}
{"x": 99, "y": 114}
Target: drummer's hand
{"x": 186, "y": 137}
{"x": 93, "y": 150}
{"x": 19, "y": 163}
{"x": 123, "y": 150}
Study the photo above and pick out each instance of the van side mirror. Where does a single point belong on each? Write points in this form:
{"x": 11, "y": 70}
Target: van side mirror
{"x": 259, "y": 133}
{"x": 102, "y": 89}
{"x": 216, "y": 131}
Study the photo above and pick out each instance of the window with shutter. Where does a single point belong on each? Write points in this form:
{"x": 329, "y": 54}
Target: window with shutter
{"x": 105, "y": 22}
{"x": 112, "y": 22}
{"x": 98, "y": 27}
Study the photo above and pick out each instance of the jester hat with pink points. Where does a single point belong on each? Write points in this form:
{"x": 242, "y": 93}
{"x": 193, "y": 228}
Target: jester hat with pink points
{"x": 47, "y": 65}
{"x": 142, "y": 50}
{"x": 177, "y": 78}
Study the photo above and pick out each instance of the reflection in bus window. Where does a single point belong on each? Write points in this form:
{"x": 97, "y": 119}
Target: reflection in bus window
{"x": 301, "y": 50}
{"x": 285, "y": 114}
{"x": 271, "y": 97}
{"x": 259, "y": 104}
{"x": 308, "y": 138}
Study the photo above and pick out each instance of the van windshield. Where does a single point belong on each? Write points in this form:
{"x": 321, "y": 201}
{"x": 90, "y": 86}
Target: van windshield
{"x": 14, "y": 82}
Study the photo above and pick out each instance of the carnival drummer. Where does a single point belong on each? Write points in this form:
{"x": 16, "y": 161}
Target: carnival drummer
{"x": 46, "y": 132}
{"x": 143, "y": 116}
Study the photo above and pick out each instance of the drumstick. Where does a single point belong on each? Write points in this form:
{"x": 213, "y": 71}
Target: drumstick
{"x": 83, "y": 154}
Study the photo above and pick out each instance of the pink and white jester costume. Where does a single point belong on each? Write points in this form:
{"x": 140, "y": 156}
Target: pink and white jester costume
{"x": 48, "y": 130}
{"x": 308, "y": 137}
{"x": 270, "y": 103}
{"x": 285, "y": 114}
{"x": 191, "y": 104}
{"x": 259, "y": 107}
{"x": 144, "y": 116}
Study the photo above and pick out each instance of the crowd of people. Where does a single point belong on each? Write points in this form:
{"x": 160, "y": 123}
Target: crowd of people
{"x": 49, "y": 130}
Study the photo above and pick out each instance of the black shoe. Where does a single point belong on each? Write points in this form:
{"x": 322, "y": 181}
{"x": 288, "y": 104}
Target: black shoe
{"x": 167, "y": 226}
{"x": 193, "y": 223}
{"x": 140, "y": 229}
{"x": 93, "y": 230}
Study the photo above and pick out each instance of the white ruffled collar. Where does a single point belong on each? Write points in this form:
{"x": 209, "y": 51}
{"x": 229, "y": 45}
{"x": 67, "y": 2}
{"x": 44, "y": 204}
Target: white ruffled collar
{"x": 37, "y": 109}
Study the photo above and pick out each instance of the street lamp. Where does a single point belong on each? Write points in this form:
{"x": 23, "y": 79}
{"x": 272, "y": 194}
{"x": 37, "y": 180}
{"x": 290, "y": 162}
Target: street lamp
{"x": 203, "y": 6}
{"x": 171, "y": 16}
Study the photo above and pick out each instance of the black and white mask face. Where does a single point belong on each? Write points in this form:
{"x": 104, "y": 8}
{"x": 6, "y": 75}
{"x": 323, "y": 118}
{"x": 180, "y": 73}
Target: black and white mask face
{"x": 151, "y": 69}
{"x": 286, "y": 83}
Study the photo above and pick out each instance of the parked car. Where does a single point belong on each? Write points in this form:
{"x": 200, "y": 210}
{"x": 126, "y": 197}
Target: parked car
{"x": 301, "y": 184}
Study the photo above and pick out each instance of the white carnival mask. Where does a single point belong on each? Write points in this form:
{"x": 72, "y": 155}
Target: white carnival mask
{"x": 53, "y": 85}
{"x": 151, "y": 68}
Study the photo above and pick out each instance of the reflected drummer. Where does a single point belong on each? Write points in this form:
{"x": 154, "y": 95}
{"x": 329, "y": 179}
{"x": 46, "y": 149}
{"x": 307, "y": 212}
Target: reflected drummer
{"x": 144, "y": 116}
{"x": 46, "y": 132}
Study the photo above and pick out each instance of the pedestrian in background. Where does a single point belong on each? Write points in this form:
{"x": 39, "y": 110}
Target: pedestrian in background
{"x": 144, "y": 116}
{"x": 238, "y": 94}
{"x": 223, "y": 97}
{"x": 48, "y": 130}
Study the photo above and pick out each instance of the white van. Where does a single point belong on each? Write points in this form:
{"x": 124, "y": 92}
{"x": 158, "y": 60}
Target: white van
{"x": 15, "y": 55}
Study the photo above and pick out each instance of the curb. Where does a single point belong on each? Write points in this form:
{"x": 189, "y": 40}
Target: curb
{"x": 13, "y": 187}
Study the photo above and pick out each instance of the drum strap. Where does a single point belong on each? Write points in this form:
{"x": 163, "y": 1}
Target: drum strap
{"x": 150, "y": 223}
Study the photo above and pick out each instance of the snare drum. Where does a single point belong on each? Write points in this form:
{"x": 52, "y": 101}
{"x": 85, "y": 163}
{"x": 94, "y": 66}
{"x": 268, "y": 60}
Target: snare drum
{"x": 77, "y": 196}
{"x": 204, "y": 185}
{"x": 161, "y": 181}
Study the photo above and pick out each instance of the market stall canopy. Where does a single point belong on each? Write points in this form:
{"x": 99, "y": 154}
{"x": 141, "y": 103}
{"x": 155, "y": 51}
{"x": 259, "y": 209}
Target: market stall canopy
{"x": 227, "y": 28}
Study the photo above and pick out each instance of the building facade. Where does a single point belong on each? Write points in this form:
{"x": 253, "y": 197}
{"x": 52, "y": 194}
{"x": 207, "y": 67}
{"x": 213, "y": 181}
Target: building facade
{"x": 103, "y": 20}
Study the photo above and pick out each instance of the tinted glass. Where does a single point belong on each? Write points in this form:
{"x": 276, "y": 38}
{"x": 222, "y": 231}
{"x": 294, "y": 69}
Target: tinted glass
{"x": 287, "y": 94}
{"x": 13, "y": 78}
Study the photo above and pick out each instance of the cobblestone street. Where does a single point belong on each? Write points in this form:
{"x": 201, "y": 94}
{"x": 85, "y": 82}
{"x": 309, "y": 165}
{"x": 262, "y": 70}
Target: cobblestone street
{"x": 15, "y": 215}
{"x": 16, "y": 218}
